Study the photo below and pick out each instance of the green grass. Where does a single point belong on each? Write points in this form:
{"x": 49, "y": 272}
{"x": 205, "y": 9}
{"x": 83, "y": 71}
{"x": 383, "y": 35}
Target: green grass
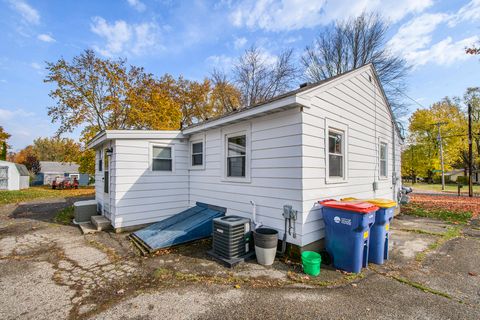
{"x": 421, "y": 287}
{"x": 441, "y": 214}
{"x": 438, "y": 187}
{"x": 33, "y": 193}
{"x": 64, "y": 216}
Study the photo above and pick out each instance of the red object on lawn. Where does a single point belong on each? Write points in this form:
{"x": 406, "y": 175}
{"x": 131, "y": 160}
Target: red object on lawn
{"x": 360, "y": 207}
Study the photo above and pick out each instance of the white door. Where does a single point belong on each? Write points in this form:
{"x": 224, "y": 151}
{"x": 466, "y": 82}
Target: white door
{"x": 3, "y": 178}
{"x": 106, "y": 185}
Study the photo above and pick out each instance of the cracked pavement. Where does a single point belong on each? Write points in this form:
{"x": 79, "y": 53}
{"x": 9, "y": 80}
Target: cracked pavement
{"x": 50, "y": 271}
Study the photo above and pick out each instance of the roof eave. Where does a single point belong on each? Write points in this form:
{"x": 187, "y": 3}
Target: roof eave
{"x": 286, "y": 103}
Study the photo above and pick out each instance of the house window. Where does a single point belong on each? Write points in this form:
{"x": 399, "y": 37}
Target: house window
{"x": 100, "y": 162}
{"x": 236, "y": 156}
{"x": 383, "y": 159}
{"x": 197, "y": 154}
{"x": 336, "y": 154}
{"x": 161, "y": 158}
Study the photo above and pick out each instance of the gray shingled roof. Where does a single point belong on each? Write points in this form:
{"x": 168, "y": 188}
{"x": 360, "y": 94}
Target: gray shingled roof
{"x": 58, "y": 167}
{"x": 22, "y": 169}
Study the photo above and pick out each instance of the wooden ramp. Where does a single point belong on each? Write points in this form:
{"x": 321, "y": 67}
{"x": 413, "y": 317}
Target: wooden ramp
{"x": 192, "y": 224}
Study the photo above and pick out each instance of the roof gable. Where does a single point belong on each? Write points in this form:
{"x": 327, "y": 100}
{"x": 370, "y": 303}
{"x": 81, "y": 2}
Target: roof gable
{"x": 58, "y": 167}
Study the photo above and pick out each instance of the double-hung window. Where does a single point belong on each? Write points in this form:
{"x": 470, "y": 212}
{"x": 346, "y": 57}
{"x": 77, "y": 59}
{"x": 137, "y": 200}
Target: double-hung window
{"x": 236, "y": 156}
{"x": 197, "y": 154}
{"x": 161, "y": 158}
{"x": 383, "y": 159}
{"x": 336, "y": 154}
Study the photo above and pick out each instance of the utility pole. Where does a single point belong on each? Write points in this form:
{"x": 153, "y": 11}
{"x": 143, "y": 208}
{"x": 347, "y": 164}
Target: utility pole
{"x": 439, "y": 139}
{"x": 470, "y": 152}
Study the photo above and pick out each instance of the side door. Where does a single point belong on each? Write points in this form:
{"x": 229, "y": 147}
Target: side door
{"x": 3, "y": 178}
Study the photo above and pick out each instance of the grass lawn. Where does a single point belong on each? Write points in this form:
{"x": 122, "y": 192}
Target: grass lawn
{"x": 42, "y": 192}
{"x": 438, "y": 187}
{"x": 453, "y": 209}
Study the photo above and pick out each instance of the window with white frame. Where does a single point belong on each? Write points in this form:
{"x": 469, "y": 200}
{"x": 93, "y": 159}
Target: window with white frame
{"x": 336, "y": 154}
{"x": 236, "y": 156}
{"x": 161, "y": 158}
{"x": 197, "y": 154}
{"x": 383, "y": 155}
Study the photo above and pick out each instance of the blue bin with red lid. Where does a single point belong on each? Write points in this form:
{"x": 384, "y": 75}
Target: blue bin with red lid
{"x": 347, "y": 232}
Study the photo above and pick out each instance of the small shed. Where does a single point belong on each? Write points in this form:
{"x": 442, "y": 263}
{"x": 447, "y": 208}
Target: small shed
{"x": 13, "y": 176}
{"x": 50, "y": 170}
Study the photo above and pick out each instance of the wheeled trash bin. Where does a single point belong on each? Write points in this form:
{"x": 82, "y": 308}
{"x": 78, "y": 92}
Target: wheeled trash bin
{"x": 347, "y": 232}
{"x": 379, "y": 233}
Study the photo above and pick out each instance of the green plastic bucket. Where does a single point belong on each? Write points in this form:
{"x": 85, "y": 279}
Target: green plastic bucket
{"x": 311, "y": 263}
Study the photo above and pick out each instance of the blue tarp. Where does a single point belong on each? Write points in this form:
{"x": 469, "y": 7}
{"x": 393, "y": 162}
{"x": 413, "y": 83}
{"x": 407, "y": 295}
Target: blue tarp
{"x": 192, "y": 224}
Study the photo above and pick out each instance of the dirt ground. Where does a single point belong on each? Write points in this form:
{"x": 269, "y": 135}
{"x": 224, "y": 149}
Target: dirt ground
{"x": 52, "y": 271}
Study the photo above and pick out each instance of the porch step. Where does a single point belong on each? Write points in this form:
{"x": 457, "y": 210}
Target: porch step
{"x": 87, "y": 227}
{"x": 101, "y": 223}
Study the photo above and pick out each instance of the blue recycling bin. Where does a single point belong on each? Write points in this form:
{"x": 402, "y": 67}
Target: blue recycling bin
{"x": 379, "y": 233}
{"x": 347, "y": 233}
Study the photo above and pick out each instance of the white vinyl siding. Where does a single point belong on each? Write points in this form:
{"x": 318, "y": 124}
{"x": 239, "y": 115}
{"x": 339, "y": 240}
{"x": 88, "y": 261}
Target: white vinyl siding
{"x": 358, "y": 104}
{"x": 141, "y": 195}
{"x": 273, "y": 157}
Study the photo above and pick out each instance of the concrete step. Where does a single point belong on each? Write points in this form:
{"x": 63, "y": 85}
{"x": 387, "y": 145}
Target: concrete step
{"x": 87, "y": 227}
{"x": 101, "y": 223}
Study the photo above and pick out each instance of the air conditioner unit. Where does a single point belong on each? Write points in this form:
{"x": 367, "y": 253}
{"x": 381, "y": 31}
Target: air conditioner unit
{"x": 232, "y": 240}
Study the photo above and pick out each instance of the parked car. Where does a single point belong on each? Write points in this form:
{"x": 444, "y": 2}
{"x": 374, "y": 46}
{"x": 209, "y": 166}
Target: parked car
{"x": 65, "y": 183}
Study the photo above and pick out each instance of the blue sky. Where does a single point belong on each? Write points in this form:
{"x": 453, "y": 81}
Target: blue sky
{"x": 192, "y": 37}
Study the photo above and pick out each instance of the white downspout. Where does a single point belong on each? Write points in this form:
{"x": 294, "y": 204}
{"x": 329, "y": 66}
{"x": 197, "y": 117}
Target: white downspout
{"x": 254, "y": 215}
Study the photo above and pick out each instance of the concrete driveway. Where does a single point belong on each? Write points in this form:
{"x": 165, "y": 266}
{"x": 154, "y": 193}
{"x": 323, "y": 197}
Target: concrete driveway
{"x": 52, "y": 271}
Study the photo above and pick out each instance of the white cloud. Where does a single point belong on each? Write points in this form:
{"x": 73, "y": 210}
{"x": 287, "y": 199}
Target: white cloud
{"x": 28, "y": 13}
{"x": 221, "y": 62}
{"x": 413, "y": 41}
{"x": 35, "y": 66}
{"x": 444, "y": 52}
{"x": 6, "y": 114}
{"x": 137, "y": 5}
{"x": 416, "y": 34}
{"x": 240, "y": 42}
{"x": 45, "y": 37}
{"x": 469, "y": 12}
{"x": 124, "y": 38}
{"x": 284, "y": 15}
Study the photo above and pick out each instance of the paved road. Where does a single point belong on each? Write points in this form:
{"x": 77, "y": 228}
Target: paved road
{"x": 51, "y": 271}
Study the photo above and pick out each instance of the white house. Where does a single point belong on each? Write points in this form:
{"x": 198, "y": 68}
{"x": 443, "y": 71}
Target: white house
{"x": 333, "y": 139}
{"x": 13, "y": 176}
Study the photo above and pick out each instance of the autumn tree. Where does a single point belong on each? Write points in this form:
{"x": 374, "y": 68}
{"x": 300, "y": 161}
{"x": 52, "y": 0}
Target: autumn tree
{"x": 56, "y": 149}
{"x": 422, "y": 156}
{"x": 225, "y": 97}
{"x": 352, "y": 43}
{"x": 102, "y": 93}
{"x": 4, "y": 136}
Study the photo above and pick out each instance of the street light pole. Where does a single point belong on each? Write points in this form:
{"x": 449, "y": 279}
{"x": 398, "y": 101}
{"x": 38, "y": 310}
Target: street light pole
{"x": 439, "y": 138}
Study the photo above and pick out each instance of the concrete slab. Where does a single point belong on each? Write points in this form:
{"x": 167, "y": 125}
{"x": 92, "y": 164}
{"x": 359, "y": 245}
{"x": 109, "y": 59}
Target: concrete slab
{"x": 416, "y": 223}
{"x": 28, "y": 292}
{"x": 375, "y": 297}
{"x": 454, "y": 269}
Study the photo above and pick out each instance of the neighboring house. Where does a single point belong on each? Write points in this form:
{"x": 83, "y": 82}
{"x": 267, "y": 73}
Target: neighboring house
{"x": 13, "y": 176}
{"x": 333, "y": 139}
{"x": 455, "y": 173}
{"x": 50, "y": 170}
